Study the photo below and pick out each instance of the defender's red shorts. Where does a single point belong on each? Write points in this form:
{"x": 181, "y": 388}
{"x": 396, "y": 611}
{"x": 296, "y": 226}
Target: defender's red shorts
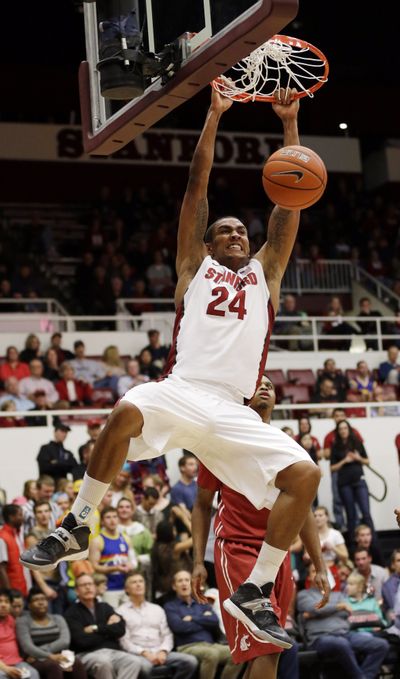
{"x": 233, "y": 564}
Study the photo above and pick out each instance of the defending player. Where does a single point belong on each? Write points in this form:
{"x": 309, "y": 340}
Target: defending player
{"x": 239, "y": 530}
{"x": 226, "y": 302}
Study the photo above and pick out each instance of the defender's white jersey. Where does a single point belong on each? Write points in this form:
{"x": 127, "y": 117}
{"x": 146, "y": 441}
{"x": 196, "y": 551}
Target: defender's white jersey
{"x": 222, "y": 330}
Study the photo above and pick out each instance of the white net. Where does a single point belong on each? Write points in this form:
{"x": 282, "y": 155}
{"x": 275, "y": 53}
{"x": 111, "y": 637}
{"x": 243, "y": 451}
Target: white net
{"x": 275, "y": 64}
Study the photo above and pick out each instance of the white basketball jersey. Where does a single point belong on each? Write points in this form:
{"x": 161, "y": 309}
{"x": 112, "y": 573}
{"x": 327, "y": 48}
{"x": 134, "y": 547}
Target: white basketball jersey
{"x": 222, "y": 330}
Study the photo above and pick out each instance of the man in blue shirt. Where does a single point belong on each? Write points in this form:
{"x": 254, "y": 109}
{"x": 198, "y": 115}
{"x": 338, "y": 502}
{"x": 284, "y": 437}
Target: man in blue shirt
{"x": 196, "y": 628}
{"x": 184, "y": 492}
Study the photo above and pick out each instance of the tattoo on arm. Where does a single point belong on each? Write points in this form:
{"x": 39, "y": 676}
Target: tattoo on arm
{"x": 279, "y": 229}
{"x": 201, "y": 218}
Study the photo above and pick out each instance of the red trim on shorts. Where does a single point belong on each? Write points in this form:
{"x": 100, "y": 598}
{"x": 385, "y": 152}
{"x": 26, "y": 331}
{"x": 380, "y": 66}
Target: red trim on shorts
{"x": 171, "y": 360}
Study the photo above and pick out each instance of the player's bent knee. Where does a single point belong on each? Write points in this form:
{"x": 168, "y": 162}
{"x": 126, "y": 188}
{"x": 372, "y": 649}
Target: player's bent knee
{"x": 125, "y": 420}
{"x": 297, "y": 476}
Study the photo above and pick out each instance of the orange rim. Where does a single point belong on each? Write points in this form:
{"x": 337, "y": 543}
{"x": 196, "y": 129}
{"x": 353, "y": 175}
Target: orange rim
{"x": 244, "y": 98}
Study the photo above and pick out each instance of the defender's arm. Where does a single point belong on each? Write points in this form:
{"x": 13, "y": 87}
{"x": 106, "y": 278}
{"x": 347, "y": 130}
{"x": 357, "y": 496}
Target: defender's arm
{"x": 201, "y": 519}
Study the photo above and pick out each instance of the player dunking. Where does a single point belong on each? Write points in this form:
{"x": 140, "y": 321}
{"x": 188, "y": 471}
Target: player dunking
{"x": 226, "y": 302}
{"x": 239, "y": 534}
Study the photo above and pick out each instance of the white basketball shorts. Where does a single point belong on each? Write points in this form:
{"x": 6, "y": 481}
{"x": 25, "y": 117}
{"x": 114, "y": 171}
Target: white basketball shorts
{"x": 228, "y": 437}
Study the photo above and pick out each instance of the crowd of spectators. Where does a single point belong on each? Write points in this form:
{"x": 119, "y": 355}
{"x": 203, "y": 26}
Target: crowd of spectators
{"x": 128, "y": 609}
{"x": 129, "y": 244}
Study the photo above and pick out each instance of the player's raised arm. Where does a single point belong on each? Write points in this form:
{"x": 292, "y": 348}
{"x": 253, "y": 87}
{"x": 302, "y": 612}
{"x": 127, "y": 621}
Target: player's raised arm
{"x": 194, "y": 212}
{"x": 283, "y": 224}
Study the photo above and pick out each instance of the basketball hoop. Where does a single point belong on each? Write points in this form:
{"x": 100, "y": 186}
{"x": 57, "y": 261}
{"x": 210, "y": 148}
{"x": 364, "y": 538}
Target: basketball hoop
{"x": 281, "y": 62}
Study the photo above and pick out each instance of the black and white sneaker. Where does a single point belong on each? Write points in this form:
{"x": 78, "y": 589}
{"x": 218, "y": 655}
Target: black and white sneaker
{"x": 70, "y": 542}
{"x": 252, "y": 606}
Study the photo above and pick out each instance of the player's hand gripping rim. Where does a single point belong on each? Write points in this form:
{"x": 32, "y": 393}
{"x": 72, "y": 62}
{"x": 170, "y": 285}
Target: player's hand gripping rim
{"x": 199, "y": 579}
{"x": 321, "y": 581}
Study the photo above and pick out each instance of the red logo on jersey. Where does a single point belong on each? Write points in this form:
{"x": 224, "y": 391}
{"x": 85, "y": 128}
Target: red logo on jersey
{"x": 231, "y": 278}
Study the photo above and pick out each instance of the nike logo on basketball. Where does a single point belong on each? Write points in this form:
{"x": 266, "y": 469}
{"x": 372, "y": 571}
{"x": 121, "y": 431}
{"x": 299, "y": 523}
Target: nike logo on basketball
{"x": 297, "y": 173}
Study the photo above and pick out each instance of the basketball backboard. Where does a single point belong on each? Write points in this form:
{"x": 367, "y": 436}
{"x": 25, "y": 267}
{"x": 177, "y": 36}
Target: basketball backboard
{"x": 213, "y": 35}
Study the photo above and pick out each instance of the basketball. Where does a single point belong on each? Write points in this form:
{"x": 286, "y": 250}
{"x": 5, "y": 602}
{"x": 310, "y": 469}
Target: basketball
{"x": 294, "y": 177}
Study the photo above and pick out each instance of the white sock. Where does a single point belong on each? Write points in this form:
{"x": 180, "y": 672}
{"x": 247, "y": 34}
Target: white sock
{"x": 90, "y": 495}
{"x": 267, "y": 565}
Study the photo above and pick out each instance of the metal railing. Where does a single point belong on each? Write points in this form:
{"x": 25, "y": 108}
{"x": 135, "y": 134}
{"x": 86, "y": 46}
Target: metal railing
{"x": 288, "y": 410}
{"x": 377, "y": 288}
{"x": 304, "y": 333}
{"x": 307, "y": 332}
{"x": 325, "y": 275}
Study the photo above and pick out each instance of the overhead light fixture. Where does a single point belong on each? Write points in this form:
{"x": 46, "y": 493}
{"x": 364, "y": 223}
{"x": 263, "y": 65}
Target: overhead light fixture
{"x": 343, "y": 126}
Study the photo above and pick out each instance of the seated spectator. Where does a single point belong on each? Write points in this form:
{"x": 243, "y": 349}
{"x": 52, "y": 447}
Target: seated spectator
{"x": 169, "y": 555}
{"x": 95, "y": 633}
{"x": 365, "y": 538}
{"x": 10, "y": 658}
{"x": 359, "y": 600}
{"x": 337, "y": 326}
{"x": 196, "y": 631}
{"x": 11, "y": 420}
{"x": 110, "y": 554}
{"x": 32, "y": 349}
{"x": 132, "y": 379}
{"x": 51, "y": 366}
{"x": 12, "y": 393}
{"x": 41, "y": 404}
{"x": 114, "y": 368}
{"x": 44, "y": 637}
{"x": 339, "y": 380}
{"x": 389, "y": 371}
{"x": 363, "y": 384}
{"x": 147, "y": 367}
{"x": 305, "y": 428}
{"x": 146, "y": 512}
{"x": 62, "y": 354}
{"x": 295, "y": 327}
{"x": 324, "y": 393}
{"x": 12, "y": 574}
{"x": 184, "y": 492}
{"x": 53, "y": 458}
{"x": 86, "y": 369}
{"x": 374, "y": 575}
{"x": 328, "y": 632}
{"x": 392, "y": 585}
{"x": 148, "y": 636}
{"x": 36, "y": 382}
{"x": 379, "y": 396}
{"x": 12, "y": 366}
{"x": 159, "y": 352}
{"x": 17, "y": 603}
{"x": 74, "y": 392}
{"x": 368, "y": 327}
